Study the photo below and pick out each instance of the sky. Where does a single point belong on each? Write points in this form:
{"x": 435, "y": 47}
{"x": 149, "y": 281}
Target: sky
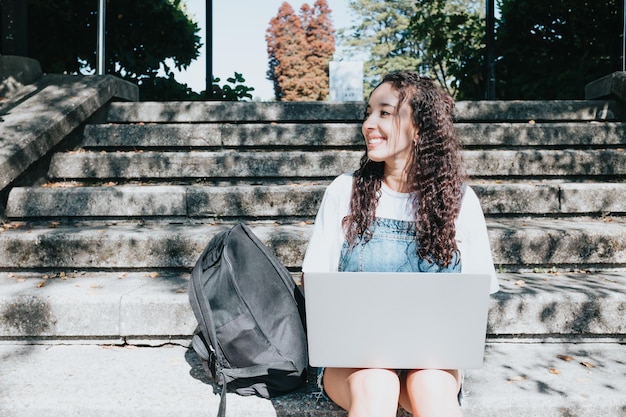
{"x": 239, "y": 40}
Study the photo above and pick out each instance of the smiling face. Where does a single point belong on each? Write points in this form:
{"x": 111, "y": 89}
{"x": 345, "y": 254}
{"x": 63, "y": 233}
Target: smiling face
{"x": 388, "y": 128}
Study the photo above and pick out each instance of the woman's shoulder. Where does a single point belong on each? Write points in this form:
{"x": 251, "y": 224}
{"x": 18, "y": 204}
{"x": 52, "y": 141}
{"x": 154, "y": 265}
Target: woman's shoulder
{"x": 341, "y": 183}
{"x": 469, "y": 196}
{"x": 470, "y": 205}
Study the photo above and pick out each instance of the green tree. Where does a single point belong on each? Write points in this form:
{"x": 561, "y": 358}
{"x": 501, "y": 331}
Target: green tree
{"x": 552, "y": 49}
{"x": 450, "y": 39}
{"x": 381, "y": 31}
{"x": 442, "y": 39}
{"x": 299, "y": 49}
{"x": 142, "y": 38}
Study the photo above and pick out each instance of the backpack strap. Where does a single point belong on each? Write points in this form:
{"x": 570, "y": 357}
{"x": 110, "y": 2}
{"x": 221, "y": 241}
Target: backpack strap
{"x": 222, "y": 408}
{"x": 249, "y": 372}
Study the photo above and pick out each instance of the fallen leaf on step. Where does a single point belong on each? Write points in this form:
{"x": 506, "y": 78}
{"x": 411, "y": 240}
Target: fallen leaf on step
{"x": 181, "y": 291}
{"x": 41, "y": 284}
{"x": 516, "y": 378}
{"x": 153, "y": 274}
{"x": 520, "y": 282}
{"x": 554, "y": 371}
{"x": 566, "y": 358}
{"x": 122, "y": 275}
{"x": 588, "y": 364}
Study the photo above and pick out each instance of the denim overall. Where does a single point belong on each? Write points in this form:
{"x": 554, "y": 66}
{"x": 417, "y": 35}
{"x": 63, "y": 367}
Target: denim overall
{"x": 392, "y": 248}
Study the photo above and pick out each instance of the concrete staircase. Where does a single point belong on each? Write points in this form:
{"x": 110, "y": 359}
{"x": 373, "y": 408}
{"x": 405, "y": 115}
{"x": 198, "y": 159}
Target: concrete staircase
{"x": 100, "y": 235}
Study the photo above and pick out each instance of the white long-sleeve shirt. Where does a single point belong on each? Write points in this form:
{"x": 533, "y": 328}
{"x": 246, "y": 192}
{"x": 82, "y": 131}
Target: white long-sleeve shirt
{"x": 324, "y": 247}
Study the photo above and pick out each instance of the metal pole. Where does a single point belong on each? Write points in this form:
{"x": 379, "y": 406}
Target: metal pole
{"x": 101, "y": 30}
{"x": 490, "y": 44}
{"x": 209, "y": 47}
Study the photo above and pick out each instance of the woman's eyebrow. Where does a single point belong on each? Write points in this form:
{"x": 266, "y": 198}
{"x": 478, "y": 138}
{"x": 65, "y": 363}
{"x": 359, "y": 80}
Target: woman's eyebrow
{"x": 384, "y": 104}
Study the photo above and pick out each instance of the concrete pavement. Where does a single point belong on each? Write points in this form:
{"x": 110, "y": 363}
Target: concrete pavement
{"x": 517, "y": 380}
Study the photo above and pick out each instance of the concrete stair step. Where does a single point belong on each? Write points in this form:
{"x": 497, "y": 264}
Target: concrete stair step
{"x": 299, "y": 200}
{"x": 152, "y": 307}
{"x": 184, "y": 135}
{"x": 327, "y": 164}
{"x": 516, "y": 243}
{"x": 40, "y": 116}
{"x": 517, "y": 379}
{"x": 199, "y": 112}
{"x": 293, "y": 200}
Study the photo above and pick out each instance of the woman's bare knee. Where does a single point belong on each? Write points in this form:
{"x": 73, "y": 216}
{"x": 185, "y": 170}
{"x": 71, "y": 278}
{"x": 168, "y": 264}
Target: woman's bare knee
{"x": 432, "y": 392}
{"x": 363, "y": 392}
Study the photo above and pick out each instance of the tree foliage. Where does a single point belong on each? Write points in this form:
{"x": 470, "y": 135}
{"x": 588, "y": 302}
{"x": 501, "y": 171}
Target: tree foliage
{"x": 442, "y": 39}
{"x": 449, "y": 36}
{"x": 299, "y": 49}
{"x": 142, "y": 38}
{"x": 552, "y": 49}
{"x": 381, "y": 31}
{"x": 545, "y": 50}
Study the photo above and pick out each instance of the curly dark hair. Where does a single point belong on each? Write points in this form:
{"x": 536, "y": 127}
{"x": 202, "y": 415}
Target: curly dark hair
{"x": 435, "y": 175}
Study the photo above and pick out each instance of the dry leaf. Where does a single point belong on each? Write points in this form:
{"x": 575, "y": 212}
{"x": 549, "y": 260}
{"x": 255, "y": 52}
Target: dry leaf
{"x": 554, "y": 371}
{"x": 588, "y": 364}
{"x": 41, "y": 284}
{"x": 181, "y": 291}
{"x": 516, "y": 378}
{"x": 520, "y": 282}
{"x": 52, "y": 225}
{"x": 566, "y": 358}
{"x": 153, "y": 274}
{"x": 122, "y": 275}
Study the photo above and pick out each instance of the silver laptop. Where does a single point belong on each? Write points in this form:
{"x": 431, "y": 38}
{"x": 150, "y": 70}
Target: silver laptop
{"x": 396, "y": 320}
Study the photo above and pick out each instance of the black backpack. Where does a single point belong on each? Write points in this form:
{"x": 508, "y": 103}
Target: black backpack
{"x": 251, "y": 336}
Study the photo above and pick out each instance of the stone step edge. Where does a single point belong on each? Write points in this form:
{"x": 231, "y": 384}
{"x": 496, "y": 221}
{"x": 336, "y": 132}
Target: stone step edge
{"x": 183, "y": 112}
{"x": 530, "y": 242}
{"x": 339, "y": 134}
{"x": 153, "y": 307}
{"x": 302, "y": 164}
{"x": 301, "y": 199}
{"x": 551, "y": 380}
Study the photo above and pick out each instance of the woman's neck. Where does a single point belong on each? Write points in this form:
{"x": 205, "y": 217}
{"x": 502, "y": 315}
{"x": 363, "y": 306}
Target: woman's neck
{"x": 396, "y": 180}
